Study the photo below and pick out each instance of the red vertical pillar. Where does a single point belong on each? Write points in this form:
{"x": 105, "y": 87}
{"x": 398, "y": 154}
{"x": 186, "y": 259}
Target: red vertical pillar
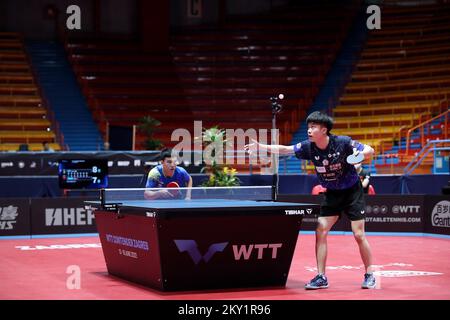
{"x": 97, "y": 17}
{"x": 222, "y": 14}
{"x": 154, "y": 25}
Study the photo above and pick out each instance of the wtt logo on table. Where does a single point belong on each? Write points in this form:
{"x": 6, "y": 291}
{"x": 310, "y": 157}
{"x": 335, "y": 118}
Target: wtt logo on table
{"x": 8, "y": 217}
{"x": 239, "y": 251}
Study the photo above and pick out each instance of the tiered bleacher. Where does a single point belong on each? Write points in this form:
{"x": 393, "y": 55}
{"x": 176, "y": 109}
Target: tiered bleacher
{"x": 401, "y": 80}
{"x": 24, "y": 120}
{"x": 221, "y": 76}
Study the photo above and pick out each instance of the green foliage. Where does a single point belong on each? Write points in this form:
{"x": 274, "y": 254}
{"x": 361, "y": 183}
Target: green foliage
{"x": 224, "y": 177}
{"x": 153, "y": 144}
{"x": 147, "y": 126}
{"x": 219, "y": 176}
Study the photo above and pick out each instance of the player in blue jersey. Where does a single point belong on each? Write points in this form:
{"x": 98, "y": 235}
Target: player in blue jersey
{"x": 344, "y": 192}
{"x": 165, "y": 174}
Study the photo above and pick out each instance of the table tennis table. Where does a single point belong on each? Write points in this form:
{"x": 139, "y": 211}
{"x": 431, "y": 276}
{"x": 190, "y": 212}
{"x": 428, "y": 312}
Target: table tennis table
{"x": 173, "y": 245}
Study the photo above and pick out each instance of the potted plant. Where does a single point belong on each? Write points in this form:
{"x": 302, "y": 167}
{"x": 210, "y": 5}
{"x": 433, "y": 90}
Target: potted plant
{"x": 224, "y": 177}
{"x": 215, "y": 142}
{"x": 147, "y": 126}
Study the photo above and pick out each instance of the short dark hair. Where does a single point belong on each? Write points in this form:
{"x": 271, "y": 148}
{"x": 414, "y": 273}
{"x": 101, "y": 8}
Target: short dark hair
{"x": 165, "y": 153}
{"x": 321, "y": 118}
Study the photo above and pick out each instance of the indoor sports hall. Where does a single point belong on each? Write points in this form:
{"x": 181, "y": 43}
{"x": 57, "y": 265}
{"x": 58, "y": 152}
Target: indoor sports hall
{"x": 225, "y": 150}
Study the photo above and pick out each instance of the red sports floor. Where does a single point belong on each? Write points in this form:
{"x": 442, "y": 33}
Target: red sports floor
{"x": 409, "y": 268}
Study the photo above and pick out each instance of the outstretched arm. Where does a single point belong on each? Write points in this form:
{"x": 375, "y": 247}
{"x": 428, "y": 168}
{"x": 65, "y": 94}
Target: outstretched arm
{"x": 272, "y": 148}
{"x": 159, "y": 194}
{"x": 188, "y": 192}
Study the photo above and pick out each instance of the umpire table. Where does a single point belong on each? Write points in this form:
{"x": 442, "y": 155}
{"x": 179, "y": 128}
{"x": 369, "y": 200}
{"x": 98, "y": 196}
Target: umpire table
{"x": 196, "y": 244}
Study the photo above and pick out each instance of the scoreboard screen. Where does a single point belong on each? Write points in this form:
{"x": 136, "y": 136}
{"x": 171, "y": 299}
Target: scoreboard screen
{"x": 83, "y": 174}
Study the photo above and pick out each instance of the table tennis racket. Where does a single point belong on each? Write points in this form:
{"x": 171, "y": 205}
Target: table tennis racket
{"x": 355, "y": 158}
{"x": 174, "y": 188}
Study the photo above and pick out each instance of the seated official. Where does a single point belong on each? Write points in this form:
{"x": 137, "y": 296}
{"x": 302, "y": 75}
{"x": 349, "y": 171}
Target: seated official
{"x": 164, "y": 174}
{"x": 364, "y": 176}
{"x": 46, "y": 147}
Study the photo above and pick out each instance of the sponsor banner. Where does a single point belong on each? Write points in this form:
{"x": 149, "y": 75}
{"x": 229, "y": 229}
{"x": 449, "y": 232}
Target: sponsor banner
{"x": 61, "y": 215}
{"x": 309, "y": 221}
{"x": 45, "y": 163}
{"x": 384, "y": 213}
{"x": 245, "y": 250}
{"x": 391, "y": 213}
{"x": 437, "y": 215}
{"x": 189, "y": 251}
{"x": 15, "y": 217}
{"x": 130, "y": 247}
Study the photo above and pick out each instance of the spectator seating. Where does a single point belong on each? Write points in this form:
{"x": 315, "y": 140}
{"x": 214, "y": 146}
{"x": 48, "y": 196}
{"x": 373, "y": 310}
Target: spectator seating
{"x": 221, "y": 76}
{"x": 23, "y": 118}
{"x": 401, "y": 79}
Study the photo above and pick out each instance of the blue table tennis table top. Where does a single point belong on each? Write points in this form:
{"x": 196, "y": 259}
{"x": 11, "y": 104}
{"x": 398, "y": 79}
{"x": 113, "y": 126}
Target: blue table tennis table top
{"x": 201, "y": 204}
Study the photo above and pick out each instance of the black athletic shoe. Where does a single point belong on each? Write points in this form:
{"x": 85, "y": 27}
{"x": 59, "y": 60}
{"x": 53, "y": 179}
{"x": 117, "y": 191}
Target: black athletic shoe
{"x": 319, "y": 282}
{"x": 369, "y": 281}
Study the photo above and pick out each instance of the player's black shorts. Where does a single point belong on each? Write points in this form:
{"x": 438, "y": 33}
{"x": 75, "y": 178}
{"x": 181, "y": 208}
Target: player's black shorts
{"x": 351, "y": 201}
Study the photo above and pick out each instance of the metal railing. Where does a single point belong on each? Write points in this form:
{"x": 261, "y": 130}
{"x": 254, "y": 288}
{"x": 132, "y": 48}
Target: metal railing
{"x": 430, "y": 146}
{"x": 422, "y": 125}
